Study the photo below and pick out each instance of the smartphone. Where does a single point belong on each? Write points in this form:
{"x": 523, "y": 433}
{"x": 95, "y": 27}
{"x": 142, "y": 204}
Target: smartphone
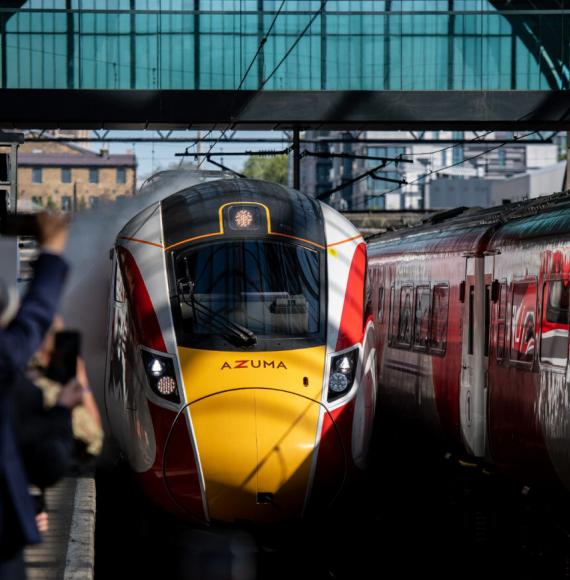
{"x": 39, "y": 501}
{"x": 63, "y": 365}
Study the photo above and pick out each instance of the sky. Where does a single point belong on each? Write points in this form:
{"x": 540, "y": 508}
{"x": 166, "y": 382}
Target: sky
{"x": 153, "y": 157}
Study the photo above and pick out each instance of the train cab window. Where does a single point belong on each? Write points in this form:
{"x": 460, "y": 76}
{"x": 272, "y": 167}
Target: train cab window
{"x": 523, "y": 322}
{"x": 405, "y": 316}
{"x": 439, "y": 314}
{"x": 238, "y": 291}
{"x": 554, "y": 328}
{"x": 380, "y": 310}
{"x": 501, "y": 321}
{"x": 421, "y": 318}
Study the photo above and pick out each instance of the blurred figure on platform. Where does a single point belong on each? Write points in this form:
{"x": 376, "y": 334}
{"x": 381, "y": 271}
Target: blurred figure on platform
{"x": 87, "y": 426}
{"x": 45, "y": 437}
{"x": 18, "y": 342}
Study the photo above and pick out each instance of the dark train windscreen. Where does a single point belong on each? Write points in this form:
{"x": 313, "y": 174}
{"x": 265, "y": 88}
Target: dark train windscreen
{"x": 248, "y": 292}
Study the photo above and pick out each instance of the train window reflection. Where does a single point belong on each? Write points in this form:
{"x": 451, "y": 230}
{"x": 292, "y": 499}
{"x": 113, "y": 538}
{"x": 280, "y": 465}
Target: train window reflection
{"x": 405, "y": 319}
{"x": 421, "y": 322}
{"x": 438, "y": 327}
{"x": 501, "y": 322}
{"x": 523, "y": 327}
{"x": 393, "y": 316}
{"x": 271, "y": 288}
{"x": 554, "y": 329}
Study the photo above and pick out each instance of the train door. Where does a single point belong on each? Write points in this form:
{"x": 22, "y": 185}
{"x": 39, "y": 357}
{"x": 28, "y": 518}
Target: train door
{"x": 554, "y": 372}
{"x": 475, "y": 294}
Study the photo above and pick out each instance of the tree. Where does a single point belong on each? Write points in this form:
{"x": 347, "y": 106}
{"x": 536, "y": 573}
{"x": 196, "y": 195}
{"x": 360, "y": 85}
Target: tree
{"x": 274, "y": 168}
{"x": 51, "y": 203}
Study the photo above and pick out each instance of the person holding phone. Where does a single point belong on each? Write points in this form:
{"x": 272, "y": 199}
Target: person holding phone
{"x": 18, "y": 342}
{"x": 44, "y": 435}
{"x": 54, "y": 365}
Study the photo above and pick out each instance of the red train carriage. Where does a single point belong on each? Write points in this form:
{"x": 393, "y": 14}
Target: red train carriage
{"x": 471, "y": 312}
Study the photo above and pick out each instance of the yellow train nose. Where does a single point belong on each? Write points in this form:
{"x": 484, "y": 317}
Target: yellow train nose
{"x": 256, "y": 449}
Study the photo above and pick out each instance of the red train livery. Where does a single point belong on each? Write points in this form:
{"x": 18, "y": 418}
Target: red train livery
{"x": 471, "y": 312}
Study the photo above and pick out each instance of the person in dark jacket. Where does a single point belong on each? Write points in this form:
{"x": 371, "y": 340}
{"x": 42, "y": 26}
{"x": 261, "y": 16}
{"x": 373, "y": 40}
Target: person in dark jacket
{"x": 18, "y": 342}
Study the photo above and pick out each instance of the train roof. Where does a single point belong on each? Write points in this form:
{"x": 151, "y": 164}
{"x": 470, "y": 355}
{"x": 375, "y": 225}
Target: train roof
{"x": 466, "y": 229}
{"x": 194, "y": 211}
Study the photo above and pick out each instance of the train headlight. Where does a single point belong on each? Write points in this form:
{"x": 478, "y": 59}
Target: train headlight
{"x": 161, "y": 376}
{"x": 343, "y": 371}
{"x": 338, "y": 383}
{"x": 156, "y": 368}
{"x": 166, "y": 385}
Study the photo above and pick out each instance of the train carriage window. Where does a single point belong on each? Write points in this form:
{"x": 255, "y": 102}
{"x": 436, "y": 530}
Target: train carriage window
{"x": 471, "y": 327}
{"x": 523, "y": 325}
{"x": 421, "y": 319}
{"x": 405, "y": 316}
{"x": 380, "y": 311}
{"x": 487, "y": 317}
{"x": 439, "y": 314}
{"x": 554, "y": 328}
{"x": 501, "y": 322}
{"x": 393, "y": 316}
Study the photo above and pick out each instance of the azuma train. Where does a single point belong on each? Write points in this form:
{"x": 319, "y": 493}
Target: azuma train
{"x": 471, "y": 317}
{"x": 240, "y": 381}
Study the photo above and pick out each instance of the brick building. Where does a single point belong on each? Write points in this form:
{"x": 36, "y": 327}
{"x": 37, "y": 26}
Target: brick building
{"x": 65, "y": 176}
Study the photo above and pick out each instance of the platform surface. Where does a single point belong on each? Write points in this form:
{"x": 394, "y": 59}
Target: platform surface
{"x": 67, "y": 550}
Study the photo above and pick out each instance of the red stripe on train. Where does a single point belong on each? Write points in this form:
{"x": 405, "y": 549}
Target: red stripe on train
{"x": 142, "y": 310}
{"x": 352, "y": 319}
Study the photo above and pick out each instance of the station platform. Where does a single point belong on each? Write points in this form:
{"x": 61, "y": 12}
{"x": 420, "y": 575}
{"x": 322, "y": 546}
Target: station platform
{"x": 68, "y": 548}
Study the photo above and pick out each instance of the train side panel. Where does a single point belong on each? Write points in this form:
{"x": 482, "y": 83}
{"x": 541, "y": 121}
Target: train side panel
{"x": 417, "y": 379}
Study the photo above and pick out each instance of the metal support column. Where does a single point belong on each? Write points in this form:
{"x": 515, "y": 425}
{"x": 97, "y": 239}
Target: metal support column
{"x": 196, "y": 44}
{"x": 70, "y": 40}
{"x": 3, "y": 49}
{"x": 296, "y": 160}
{"x": 14, "y": 176}
{"x": 260, "y": 35}
{"x": 133, "y": 47}
{"x": 323, "y": 50}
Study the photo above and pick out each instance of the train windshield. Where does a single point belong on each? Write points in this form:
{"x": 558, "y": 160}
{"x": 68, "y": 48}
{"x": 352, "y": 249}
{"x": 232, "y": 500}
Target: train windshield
{"x": 250, "y": 293}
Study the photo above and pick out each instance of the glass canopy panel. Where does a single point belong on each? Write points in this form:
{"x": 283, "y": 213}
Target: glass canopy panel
{"x": 302, "y": 45}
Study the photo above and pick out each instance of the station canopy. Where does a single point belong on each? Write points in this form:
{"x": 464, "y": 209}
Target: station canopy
{"x": 285, "y": 63}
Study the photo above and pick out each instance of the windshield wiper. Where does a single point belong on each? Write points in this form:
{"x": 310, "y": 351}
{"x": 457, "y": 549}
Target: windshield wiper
{"x": 234, "y": 332}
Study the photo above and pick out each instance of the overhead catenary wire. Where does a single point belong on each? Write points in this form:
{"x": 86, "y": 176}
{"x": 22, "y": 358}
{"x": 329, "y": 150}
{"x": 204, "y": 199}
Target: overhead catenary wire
{"x": 452, "y": 146}
{"x": 450, "y": 166}
{"x": 245, "y": 75}
{"x": 326, "y": 155}
{"x": 260, "y": 153}
{"x": 295, "y": 43}
{"x": 281, "y": 61}
{"x": 369, "y": 173}
{"x": 224, "y": 167}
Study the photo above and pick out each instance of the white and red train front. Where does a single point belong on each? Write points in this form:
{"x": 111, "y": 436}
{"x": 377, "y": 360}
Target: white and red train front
{"x": 240, "y": 376}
